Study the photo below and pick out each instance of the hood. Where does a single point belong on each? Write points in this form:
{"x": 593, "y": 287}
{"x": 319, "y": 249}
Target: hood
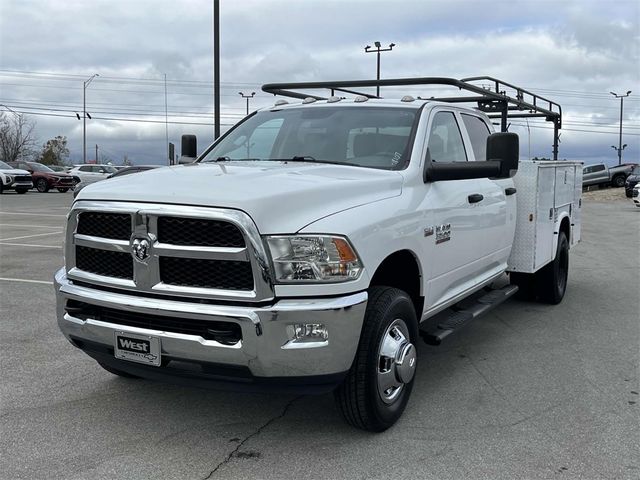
{"x": 14, "y": 171}
{"x": 280, "y": 197}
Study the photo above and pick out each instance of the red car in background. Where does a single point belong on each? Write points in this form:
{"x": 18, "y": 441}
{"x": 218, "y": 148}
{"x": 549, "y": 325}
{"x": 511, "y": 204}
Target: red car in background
{"x": 44, "y": 178}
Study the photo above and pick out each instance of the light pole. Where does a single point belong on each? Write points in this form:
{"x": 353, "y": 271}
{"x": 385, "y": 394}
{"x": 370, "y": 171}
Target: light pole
{"x": 620, "y": 146}
{"x": 377, "y": 50}
{"x": 84, "y": 116}
{"x": 247, "y": 97}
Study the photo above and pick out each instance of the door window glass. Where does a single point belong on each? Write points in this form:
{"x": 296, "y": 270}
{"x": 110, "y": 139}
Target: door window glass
{"x": 478, "y": 133}
{"x": 445, "y": 140}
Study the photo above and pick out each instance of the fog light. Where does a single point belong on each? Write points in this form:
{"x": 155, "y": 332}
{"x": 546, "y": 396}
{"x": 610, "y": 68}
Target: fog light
{"x": 307, "y": 335}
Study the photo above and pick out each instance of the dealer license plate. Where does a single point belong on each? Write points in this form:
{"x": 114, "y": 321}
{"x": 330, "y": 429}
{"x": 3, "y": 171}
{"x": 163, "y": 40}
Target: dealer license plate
{"x": 137, "y": 348}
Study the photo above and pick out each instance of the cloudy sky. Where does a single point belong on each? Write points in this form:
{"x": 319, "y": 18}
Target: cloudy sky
{"x": 573, "y": 52}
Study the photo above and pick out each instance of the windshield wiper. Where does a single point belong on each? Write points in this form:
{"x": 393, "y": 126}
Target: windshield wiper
{"x": 229, "y": 159}
{"x": 304, "y": 158}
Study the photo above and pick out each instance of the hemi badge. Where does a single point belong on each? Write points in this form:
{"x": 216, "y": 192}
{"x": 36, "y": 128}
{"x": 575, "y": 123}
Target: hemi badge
{"x": 428, "y": 231}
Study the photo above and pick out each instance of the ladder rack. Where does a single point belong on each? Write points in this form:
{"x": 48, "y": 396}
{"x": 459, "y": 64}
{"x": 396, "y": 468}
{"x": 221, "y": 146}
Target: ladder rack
{"x": 499, "y": 100}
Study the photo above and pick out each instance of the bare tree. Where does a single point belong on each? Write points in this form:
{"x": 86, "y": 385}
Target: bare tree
{"x": 17, "y": 138}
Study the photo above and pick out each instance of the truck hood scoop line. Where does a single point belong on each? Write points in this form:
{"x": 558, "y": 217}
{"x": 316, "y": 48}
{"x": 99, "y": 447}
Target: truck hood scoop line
{"x": 281, "y": 198}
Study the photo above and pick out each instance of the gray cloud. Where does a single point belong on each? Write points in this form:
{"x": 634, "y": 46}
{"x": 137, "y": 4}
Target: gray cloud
{"x": 574, "y": 51}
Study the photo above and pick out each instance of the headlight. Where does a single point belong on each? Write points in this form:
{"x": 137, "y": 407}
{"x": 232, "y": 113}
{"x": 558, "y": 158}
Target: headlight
{"x": 313, "y": 258}
{"x": 8, "y": 179}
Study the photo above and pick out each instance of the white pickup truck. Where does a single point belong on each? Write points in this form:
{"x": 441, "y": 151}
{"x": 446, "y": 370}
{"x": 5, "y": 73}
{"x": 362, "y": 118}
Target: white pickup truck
{"x": 312, "y": 245}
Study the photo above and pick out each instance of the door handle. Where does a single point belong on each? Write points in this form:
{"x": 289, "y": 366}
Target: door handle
{"x": 509, "y": 191}
{"x": 475, "y": 198}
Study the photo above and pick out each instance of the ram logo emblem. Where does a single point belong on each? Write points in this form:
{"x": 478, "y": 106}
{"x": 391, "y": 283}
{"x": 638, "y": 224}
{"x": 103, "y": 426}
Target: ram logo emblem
{"x": 140, "y": 248}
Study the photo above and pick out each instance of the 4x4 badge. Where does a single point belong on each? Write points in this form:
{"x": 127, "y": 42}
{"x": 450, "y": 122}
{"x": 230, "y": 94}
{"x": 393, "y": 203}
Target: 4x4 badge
{"x": 140, "y": 248}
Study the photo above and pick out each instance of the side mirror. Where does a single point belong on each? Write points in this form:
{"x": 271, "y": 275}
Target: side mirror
{"x": 505, "y": 148}
{"x": 438, "y": 171}
{"x": 188, "y": 149}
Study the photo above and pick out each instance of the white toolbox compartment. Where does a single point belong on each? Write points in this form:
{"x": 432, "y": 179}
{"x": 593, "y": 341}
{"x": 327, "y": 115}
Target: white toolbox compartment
{"x": 547, "y": 191}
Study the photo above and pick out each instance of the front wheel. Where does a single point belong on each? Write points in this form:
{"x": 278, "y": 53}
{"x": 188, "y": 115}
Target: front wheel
{"x": 42, "y": 186}
{"x": 377, "y": 388}
{"x": 21, "y": 190}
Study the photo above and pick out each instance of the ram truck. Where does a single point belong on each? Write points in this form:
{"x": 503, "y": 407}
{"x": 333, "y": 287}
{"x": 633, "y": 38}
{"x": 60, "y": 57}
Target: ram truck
{"x": 316, "y": 242}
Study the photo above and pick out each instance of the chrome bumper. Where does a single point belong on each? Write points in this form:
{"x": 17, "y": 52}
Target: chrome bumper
{"x": 265, "y": 349}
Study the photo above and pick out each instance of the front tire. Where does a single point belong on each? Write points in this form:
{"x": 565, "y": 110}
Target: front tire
{"x": 63, "y": 190}
{"x": 21, "y": 190}
{"x": 42, "y": 185}
{"x": 377, "y": 388}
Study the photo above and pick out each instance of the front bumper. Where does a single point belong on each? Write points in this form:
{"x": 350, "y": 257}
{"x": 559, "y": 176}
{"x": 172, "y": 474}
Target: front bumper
{"x": 264, "y": 355}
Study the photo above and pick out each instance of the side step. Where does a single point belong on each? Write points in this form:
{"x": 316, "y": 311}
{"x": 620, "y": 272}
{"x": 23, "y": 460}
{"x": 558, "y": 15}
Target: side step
{"x": 456, "y": 317}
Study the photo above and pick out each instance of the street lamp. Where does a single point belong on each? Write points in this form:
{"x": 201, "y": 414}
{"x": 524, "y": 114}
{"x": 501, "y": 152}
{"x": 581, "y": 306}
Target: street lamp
{"x": 377, "y": 50}
{"x": 620, "y": 147}
{"x": 247, "y": 97}
{"x": 84, "y": 116}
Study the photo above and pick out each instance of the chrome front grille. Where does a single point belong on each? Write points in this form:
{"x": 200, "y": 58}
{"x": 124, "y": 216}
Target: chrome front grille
{"x": 170, "y": 250}
{"x": 105, "y": 225}
{"x": 104, "y": 262}
{"x": 199, "y": 232}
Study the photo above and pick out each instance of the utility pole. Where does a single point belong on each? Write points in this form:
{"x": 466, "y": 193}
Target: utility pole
{"x": 84, "y": 116}
{"x": 377, "y": 50}
{"x": 620, "y": 147}
{"x": 96, "y": 153}
{"x": 247, "y": 97}
{"x": 216, "y": 69}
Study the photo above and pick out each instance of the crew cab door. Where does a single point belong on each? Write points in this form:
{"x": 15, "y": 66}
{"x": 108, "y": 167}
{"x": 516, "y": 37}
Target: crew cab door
{"x": 467, "y": 245}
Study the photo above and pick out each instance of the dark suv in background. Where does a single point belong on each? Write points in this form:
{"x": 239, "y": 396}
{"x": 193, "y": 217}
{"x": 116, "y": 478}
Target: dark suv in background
{"x": 632, "y": 180}
{"x": 44, "y": 178}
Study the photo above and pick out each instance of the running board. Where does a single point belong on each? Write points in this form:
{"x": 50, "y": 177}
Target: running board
{"x": 457, "y": 316}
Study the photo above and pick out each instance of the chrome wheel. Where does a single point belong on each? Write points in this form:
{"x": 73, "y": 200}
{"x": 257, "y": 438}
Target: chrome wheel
{"x": 396, "y": 361}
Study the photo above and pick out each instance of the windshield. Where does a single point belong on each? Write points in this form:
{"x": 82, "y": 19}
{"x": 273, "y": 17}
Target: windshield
{"x": 635, "y": 170}
{"x": 5, "y": 166}
{"x": 360, "y": 136}
{"x": 108, "y": 168}
{"x": 38, "y": 167}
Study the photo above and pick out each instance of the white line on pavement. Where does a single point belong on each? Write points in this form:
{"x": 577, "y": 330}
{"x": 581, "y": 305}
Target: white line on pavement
{"x": 25, "y": 280}
{"x": 26, "y": 226}
{"x": 29, "y": 245}
{"x": 35, "y": 214}
{"x": 30, "y": 236}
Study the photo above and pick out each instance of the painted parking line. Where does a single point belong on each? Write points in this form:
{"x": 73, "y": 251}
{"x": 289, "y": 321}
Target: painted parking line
{"x": 30, "y": 236}
{"x": 24, "y": 280}
{"x": 34, "y": 214}
{"x": 26, "y": 226}
{"x": 28, "y": 245}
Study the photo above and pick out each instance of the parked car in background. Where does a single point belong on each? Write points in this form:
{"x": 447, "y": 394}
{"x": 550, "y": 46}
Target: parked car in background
{"x": 14, "y": 179}
{"x": 599, "y": 174}
{"x": 121, "y": 172}
{"x": 92, "y": 173}
{"x": 59, "y": 168}
{"x": 45, "y": 179}
{"x": 632, "y": 180}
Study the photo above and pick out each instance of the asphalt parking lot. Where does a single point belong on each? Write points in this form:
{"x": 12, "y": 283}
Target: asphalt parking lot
{"x": 528, "y": 391}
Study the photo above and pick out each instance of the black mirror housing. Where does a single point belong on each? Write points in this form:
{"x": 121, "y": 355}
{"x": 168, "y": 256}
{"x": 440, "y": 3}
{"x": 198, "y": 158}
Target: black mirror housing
{"x": 505, "y": 148}
{"x": 188, "y": 149}
{"x": 439, "y": 171}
